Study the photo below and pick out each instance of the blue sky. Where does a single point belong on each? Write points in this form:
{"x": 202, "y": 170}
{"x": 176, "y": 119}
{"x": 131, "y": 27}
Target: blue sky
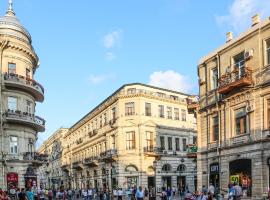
{"x": 89, "y": 48}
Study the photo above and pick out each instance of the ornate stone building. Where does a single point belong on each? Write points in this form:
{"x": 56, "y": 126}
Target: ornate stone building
{"x": 19, "y": 126}
{"x": 138, "y": 133}
{"x": 233, "y": 112}
{"x": 50, "y": 173}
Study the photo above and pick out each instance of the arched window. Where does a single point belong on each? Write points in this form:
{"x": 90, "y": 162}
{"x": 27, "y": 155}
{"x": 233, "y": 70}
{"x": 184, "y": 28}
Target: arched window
{"x": 131, "y": 168}
{"x": 181, "y": 168}
{"x": 166, "y": 168}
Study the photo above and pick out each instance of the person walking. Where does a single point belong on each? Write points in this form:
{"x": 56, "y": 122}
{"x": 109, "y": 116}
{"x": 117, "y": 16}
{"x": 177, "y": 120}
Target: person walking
{"x": 22, "y": 195}
{"x": 120, "y": 194}
{"x": 50, "y": 194}
{"x": 139, "y": 194}
{"x": 29, "y": 194}
{"x": 163, "y": 194}
{"x": 61, "y": 194}
{"x": 169, "y": 193}
{"x": 238, "y": 191}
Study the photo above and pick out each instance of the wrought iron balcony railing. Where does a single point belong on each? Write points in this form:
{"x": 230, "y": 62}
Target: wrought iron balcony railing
{"x": 25, "y": 118}
{"x": 235, "y": 79}
{"x": 27, "y": 84}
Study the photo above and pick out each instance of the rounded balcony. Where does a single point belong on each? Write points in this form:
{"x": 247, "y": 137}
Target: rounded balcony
{"x": 25, "y": 84}
{"x": 24, "y": 118}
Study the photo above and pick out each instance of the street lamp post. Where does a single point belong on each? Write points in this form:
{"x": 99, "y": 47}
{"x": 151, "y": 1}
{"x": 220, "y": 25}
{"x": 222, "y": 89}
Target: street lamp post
{"x": 155, "y": 170}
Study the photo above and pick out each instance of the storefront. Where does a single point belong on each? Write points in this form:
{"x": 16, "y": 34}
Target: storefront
{"x": 240, "y": 173}
{"x": 30, "y": 178}
{"x": 214, "y": 175}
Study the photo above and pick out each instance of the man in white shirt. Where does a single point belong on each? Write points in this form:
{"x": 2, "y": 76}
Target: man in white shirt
{"x": 84, "y": 194}
{"x": 90, "y": 193}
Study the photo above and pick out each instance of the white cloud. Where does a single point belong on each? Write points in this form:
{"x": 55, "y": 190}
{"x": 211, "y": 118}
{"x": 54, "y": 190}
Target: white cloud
{"x": 240, "y": 12}
{"x": 170, "y": 80}
{"x": 111, "y": 39}
{"x": 109, "y": 56}
{"x": 97, "y": 79}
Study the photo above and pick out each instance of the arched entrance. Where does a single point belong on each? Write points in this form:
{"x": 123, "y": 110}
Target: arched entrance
{"x": 240, "y": 173}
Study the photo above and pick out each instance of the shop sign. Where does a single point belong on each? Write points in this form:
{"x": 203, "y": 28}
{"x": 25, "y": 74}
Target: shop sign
{"x": 12, "y": 182}
{"x": 214, "y": 168}
{"x": 235, "y": 179}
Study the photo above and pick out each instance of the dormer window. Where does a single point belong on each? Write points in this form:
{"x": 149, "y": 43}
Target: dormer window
{"x": 131, "y": 91}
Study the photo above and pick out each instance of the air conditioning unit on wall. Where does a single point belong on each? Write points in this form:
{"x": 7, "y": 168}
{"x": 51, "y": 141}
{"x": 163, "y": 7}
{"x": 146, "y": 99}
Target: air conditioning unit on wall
{"x": 249, "y": 54}
{"x": 249, "y": 108}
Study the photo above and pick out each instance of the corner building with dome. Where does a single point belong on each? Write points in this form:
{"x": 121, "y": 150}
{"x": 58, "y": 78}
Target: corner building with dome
{"x": 19, "y": 126}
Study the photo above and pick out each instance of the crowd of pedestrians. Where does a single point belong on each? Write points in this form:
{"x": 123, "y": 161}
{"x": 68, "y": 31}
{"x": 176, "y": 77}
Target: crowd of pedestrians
{"x": 234, "y": 192}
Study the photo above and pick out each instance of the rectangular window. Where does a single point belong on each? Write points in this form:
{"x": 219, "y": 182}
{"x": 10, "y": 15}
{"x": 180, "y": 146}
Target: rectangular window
{"x": 130, "y": 108}
{"x": 162, "y": 143}
{"x": 96, "y": 124}
{"x": 239, "y": 64}
{"x": 149, "y": 140}
{"x": 114, "y": 113}
{"x": 11, "y": 68}
{"x": 13, "y": 145}
{"x": 147, "y": 109}
{"x": 184, "y": 143}
{"x": 268, "y": 113}
{"x": 240, "y": 121}
{"x": 169, "y": 112}
{"x": 131, "y": 91}
{"x": 161, "y": 111}
{"x": 177, "y": 144}
{"x": 130, "y": 140}
{"x": 29, "y": 107}
{"x": 214, "y": 78}
{"x": 12, "y": 103}
{"x": 27, "y": 73}
{"x": 174, "y": 97}
{"x": 105, "y": 119}
{"x": 194, "y": 140}
{"x": 268, "y": 51}
{"x": 162, "y": 95}
{"x": 215, "y": 129}
{"x": 176, "y": 113}
{"x": 170, "y": 143}
{"x": 100, "y": 121}
{"x": 183, "y": 115}
{"x": 113, "y": 141}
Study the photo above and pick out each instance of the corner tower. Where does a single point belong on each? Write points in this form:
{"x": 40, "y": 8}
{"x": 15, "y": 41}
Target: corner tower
{"x": 19, "y": 92}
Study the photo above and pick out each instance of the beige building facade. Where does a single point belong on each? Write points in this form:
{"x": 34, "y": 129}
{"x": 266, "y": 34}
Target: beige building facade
{"x": 50, "y": 173}
{"x": 19, "y": 126}
{"x": 138, "y": 133}
{"x": 233, "y": 112}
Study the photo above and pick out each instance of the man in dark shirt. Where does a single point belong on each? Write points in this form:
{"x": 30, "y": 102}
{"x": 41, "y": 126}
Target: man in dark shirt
{"x": 22, "y": 195}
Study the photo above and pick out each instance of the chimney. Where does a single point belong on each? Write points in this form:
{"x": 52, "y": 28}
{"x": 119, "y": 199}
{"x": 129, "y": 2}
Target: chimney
{"x": 229, "y": 36}
{"x": 256, "y": 19}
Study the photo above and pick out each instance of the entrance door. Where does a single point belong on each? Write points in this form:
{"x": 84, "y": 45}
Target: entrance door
{"x": 151, "y": 181}
{"x": 240, "y": 173}
{"x": 167, "y": 181}
{"x": 181, "y": 183}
